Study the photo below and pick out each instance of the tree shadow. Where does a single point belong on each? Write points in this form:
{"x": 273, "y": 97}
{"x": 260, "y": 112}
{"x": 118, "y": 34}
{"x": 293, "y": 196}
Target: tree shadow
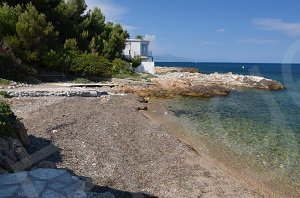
{"x": 41, "y": 149}
{"x": 121, "y": 194}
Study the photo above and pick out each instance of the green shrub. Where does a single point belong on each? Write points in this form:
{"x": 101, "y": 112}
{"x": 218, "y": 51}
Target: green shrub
{"x": 9, "y": 69}
{"x": 120, "y": 66}
{"x": 4, "y": 94}
{"x": 136, "y": 61}
{"x": 4, "y": 81}
{"x": 7, "y": 120}
{"x": 91, "y": 65}
{"x": 81, "y": 80}
{"x": 53, "y": 60}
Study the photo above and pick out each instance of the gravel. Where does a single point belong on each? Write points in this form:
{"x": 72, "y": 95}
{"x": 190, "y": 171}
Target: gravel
{"x": 109, "y": 140}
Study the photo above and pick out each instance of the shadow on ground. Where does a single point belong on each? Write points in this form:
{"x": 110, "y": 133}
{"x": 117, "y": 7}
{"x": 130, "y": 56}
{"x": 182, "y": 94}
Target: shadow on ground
{"x": 42, "y": 149}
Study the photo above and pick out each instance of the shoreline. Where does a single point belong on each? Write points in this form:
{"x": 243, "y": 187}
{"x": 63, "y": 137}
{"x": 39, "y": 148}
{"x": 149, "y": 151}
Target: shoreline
{"x": 132, "y": 152}
{"x": 243, "y": 169}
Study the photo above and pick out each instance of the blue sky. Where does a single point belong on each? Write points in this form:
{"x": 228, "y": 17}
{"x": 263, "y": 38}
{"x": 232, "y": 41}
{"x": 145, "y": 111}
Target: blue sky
{"x": 212, "y": 30}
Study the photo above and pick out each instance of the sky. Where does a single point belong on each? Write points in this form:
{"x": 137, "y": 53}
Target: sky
{"x": 212, "y": 30}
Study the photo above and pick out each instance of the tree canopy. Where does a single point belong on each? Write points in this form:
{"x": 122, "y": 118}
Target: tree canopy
{"x": 54, "y": 33}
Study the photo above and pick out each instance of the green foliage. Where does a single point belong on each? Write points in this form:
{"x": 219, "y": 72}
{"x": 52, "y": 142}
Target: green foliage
{"x": 115, "y": 42}
{"x": 71, "y": 44}
{"x": 4, "y": 94}
{"x": 8, "y": 19}
{"x": 81, "y": 80}
{"x": 35, "y": 34}
{"x": 4, "y": 81}
{"x": 7, "y": 120}
{"x": 60, "y": 34}
{"x": 120, "y": 66}
{"x": 130, "y": 75}
{"x": 9, "y": 69}
{"x": 136, "y": 61}
{"x": 139, "y": 37}
{"x": 91, "y": 65}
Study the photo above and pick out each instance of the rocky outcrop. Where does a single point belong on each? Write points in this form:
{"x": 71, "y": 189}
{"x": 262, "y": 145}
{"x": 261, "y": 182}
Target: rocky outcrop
{"x": 21, "y": 133}
{"x": 12, "y": 154}
{"x": 177, "y": 83}
{"x": 165, "y": 70}
{"x": 227, "y": 80}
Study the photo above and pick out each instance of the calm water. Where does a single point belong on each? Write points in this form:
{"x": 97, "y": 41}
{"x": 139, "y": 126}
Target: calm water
{"x": 261, "y": 125}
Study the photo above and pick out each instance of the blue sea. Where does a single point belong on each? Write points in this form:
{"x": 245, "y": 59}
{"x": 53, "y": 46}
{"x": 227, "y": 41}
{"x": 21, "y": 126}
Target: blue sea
{"x": 262, "y": 126}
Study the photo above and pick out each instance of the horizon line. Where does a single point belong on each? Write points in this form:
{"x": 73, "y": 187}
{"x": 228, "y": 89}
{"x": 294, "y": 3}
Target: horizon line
{"x": 228, "y": 62}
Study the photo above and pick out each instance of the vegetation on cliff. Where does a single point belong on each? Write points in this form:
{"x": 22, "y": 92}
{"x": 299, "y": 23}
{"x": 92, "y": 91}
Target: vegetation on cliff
{"x": 57, "y": 35}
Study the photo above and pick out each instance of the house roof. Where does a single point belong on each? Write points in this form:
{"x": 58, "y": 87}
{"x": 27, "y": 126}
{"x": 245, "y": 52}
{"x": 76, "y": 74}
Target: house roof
{"x": 137, "y": 40}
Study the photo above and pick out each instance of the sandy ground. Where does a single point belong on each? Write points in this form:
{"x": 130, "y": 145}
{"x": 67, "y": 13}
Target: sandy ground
{"x": 108, "y": 140}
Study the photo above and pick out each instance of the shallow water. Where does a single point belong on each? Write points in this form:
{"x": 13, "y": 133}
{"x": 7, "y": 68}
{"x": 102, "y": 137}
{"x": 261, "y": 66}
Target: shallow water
{"x": 263, "y": 126}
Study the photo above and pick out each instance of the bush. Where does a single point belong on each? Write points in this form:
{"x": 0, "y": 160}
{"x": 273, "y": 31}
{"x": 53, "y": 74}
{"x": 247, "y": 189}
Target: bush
{"x": 4, "y": 94}
{"x": 136, "y": 61}
{"x": 4, "y": 81}
{"x": 120, "y": 66}
{"x": 91, "y": 65}
{"x": 81, "y": 80}
{"x": 8, "y": 121}
{"x": 9, "y": 69}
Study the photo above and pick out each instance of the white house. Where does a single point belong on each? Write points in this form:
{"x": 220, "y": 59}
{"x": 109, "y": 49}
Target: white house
{"x": 139, "y": 47}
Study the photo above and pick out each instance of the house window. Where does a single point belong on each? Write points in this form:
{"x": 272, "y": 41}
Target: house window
{"x": 144, "y": 50}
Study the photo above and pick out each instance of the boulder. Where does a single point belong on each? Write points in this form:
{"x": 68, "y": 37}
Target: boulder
{"x": 271, "y": 84}
{"x": 22, "y": 133}
{"x": 12, "y": 154}
{"x": 46, "y": 164}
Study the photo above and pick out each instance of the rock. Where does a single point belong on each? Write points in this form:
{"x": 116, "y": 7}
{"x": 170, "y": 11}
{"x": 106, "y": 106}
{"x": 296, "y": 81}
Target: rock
{"x": 100, "y": 195}
{"x": 2, "y": 171}
{"x": 44, "y": 174}
{"x": 22, "y": 133}
{"x": 143, "y": 108}
{"x": 143, "y": 99}
{"x": 165, "y": 70}
{"x": 46, "y": 164}
{"x": 12, "y": 154}
{"x": 51, "y": 193}
{"x": 271, "y": 84}
{"x": 93, "y": 94}
{"x": 42, "y": 183}
{"x": 10, "y": 191}
{"x": 6, "y": 162}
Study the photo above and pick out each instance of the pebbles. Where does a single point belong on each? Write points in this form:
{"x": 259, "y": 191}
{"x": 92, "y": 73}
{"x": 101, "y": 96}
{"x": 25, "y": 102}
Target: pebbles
{"x": 92, "y": 93}
{"x": 14, "y": 85}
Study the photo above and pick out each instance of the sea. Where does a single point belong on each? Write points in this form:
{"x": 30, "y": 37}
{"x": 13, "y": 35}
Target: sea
{"x": 259, "y": 126}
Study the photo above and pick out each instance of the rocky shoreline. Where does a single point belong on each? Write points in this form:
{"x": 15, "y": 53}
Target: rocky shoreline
{"x": 166, "y": 83}
{"x": 100, "y": 133}
{"x": 170, "y": 82}
{"x": 108, "y": 140}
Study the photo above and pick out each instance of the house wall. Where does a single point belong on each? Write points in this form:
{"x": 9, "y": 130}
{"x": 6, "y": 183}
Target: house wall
{"x": 134, "y": 48}
{"x": 147, "y": 67}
